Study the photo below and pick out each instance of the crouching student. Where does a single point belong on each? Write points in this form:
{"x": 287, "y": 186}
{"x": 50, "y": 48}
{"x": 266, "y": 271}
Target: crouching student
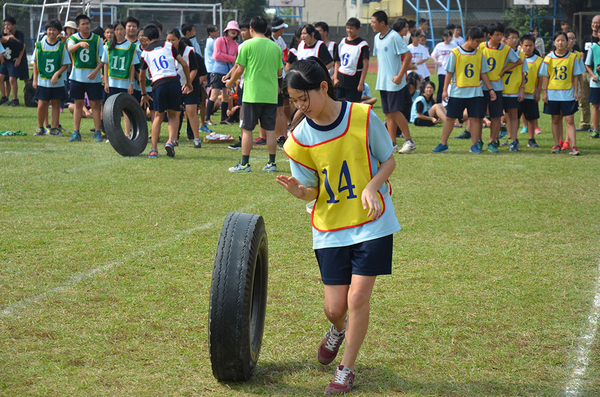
{"x": 341, "y": 157}
{"x": 159, "y": 58}
{"x": 425, "y": 112}
{"x": 50, "y": 62}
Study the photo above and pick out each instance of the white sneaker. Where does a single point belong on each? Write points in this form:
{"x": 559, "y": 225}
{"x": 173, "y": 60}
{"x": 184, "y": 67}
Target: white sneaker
{"x": 408, "y": 147}
{"x": 239, "y": 168}
{"x": 395, "y": 148}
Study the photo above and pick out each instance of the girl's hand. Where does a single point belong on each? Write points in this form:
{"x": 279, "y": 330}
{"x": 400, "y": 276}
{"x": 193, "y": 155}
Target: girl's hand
{"x": 369, "y": 198}
{"x": 293, "y": 186}
{"x": 545, "y": 96}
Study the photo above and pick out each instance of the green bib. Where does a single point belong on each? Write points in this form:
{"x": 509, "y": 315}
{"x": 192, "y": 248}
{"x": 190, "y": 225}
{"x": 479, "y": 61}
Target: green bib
{"x": 595, "y": 49}
{"x": 48, "y": 62}
{"x": 86, "y": 58}
{"x": 119, "y": 61}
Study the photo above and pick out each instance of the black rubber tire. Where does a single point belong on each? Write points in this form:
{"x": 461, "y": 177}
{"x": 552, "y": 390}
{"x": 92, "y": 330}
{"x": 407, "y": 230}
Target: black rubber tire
{"x": 114, "y": 107}
{"x": 238, "y": 297}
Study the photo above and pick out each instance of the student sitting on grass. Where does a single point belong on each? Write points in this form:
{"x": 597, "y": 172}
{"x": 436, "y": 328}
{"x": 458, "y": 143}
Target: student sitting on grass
{"x": 50, "y": 62}
{"x": 366, "y": 96}
{"x": 353, "y": 217}
{"x": 425, "y": 112}
{"x": 159, "y": 58}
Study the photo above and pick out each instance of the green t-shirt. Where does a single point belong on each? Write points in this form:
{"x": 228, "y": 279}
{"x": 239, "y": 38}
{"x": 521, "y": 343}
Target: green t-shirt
{"x": 262, "y": 59}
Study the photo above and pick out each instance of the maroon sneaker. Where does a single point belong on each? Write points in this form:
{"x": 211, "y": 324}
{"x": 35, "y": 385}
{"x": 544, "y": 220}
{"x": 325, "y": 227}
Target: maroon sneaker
{"x": 330, "y": 345}
{"x": 343, "y": 380}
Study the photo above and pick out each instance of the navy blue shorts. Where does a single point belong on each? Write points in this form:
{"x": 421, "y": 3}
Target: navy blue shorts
{"x": 115, "y": 91}
{"x": 556, "y": 107}
{"x": 191, "y": 99}
{"x": 510, "y": 102}
{"x": 594, "y": 95}
{"x": 137, "y": 95}
{"x": 167, "y": 97}
{"x": 9, "y": 69}
{"x": 351, "y": 95}
{"x": 95, "y": 91}
{"x": 392, "y": 101}
{"x": 530, "y": 109}
{"x": 50, "y": 94}
{"x": 495, "y": 108}
{"x": 456, "y": 107}
{"x": 369, "y": 258}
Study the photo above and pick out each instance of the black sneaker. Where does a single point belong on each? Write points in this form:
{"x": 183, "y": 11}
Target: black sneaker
{"x": 14, "y": 102}
{"x": 197, "y": 144}
{"x": 465, "y": 135}
{"x": 595, "y": 135}
{"x": 3, "y": 100}
{"x": 532, "y": 143}
{"x": 237, "y": 145}
{"x": 281, "y": 141}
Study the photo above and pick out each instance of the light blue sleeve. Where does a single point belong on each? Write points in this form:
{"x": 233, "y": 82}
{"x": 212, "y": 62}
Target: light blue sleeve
{"x": 375, "y": 44}
{"x": 66, "y": 58}
{"x": 100, "y": 49}
{"x": 2, "y": 50}
{"x": 589, "y": 60}
{"x": 104, "y": 58}
{"x": 380, "y": 143}
{"x": 525, "y": 66}
{"x": 512, "y": 57}
{"x": 451, "y": 63}
{"x": 136, "y": 58}
{"x": 484, "y": 64}
{"x": 33, "y": 56}
{"x": 400, "y": 44}
{"x": 305, "y": 176}
{"x": 544, "y": 69}
{"x": 577, "y": 68}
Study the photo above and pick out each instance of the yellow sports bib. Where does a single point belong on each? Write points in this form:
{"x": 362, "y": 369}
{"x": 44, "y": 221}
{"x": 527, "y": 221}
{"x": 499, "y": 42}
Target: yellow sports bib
{"x": 560, "y": 71}
{"x": 496, "y": 58}
{"x": 468, "y": 68}
{"x": 344, "y": 169}
{"x": 513, "y": 78}
{"x": 531, "y": 76}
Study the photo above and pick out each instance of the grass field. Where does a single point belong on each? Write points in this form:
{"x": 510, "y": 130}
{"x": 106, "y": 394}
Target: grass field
{"x": 106, "y": 264}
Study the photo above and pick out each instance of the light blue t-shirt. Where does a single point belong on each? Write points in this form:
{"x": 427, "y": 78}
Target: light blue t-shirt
{"x": 389, "y": 51}
{"x": 367, "y": 90}
{"x": 65, "y": 61}
{"x": 426, "y": 106}
{"x": 509, "y": 74}
{"x": 119, "y": 83}
{"x": 531, "y": 59}
{"x": 138, "y": 51}
{"x": 208, "y": 53}
{"x": 196, "y": 45}
{"x": 81, "y": 75}
{"x": 590, "y": 62}
{"x": 561, "y": 95}
{"x": 465, "y": 92}
{"x": 512, "y": 57}
{"x": 380, "y": 148}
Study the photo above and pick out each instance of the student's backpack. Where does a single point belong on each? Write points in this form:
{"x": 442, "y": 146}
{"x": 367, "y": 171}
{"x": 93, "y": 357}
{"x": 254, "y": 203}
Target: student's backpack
{"x": 28, "y": 94}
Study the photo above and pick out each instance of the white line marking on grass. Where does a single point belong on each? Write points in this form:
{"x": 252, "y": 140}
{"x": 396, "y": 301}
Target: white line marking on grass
{"x": 76, "y": 279}
{"x": 584, "y": 348}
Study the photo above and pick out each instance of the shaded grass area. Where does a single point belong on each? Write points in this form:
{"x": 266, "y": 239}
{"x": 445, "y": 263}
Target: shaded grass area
{"x": 106, "y": 265}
